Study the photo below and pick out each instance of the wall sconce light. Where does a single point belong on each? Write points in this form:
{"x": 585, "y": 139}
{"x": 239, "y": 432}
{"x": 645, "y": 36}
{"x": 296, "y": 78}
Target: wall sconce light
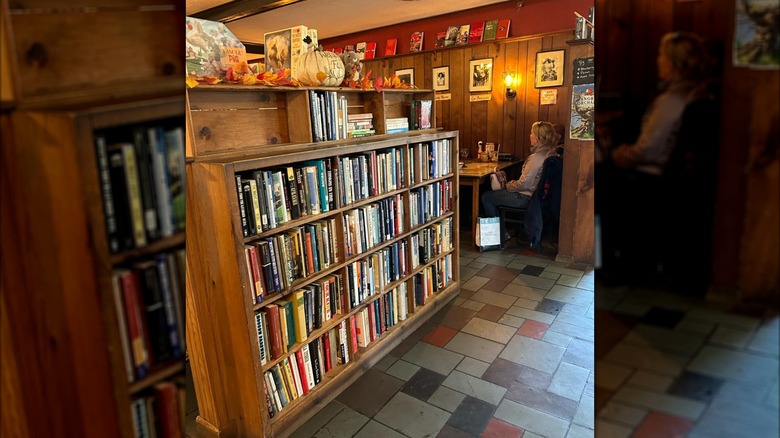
{"x": 510, "y": 80}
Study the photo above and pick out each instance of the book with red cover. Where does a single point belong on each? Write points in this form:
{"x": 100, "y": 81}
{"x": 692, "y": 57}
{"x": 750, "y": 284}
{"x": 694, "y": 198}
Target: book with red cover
{"x": 475, "y": 34}
{"x": 326, "y": 351}
{"x": 440, "y": 37}
{"x": 353, "y": 334}
{"x": 135, "y": 322}
{"x": 503, "y": 28}
{"x": 166, "y": 408}
{"x": 416, "y": 42}
{"x": 337, "y": 50}
{"x": 391, "y": 46}
{"x": 274, "y": 330}
{"x": 302, "y": 371}
{"x": 370, "y": 50}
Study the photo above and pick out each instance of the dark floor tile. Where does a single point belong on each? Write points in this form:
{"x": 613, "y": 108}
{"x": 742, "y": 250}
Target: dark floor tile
{"x": 370, "y": 392}
{"x": 611, "y": 328}
{"x": 403, "y": 348}
{"x": 423, "y": 384}
{"x": 663, "y": 317}
{"x": 501, "y": 273}
{"x": 491, "y": 312}
{"x": 503, "y": 372}
{"x": 441, "y": 313}
{"x": 472, "y": 415}
{"x": 495, "y": 285}
{"x": 532, "y": 270}
{"x": 458, "y": 317}
{"x": 542, "y": 400}
{"x": 580, "y": 353}
{"x": 549, "y": 306}
{"x": 450, "y": 432}
{"x": 534, "y": 378}
{"x": 695, "y": 386}
{"x": 466, "y": 294}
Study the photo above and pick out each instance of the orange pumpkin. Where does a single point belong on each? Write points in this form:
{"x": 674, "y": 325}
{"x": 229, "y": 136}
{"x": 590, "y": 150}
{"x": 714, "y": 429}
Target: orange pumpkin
{"x": 320, "y": 68}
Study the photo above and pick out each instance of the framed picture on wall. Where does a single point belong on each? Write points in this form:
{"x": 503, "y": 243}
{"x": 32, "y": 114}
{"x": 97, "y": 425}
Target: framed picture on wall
{"x": 481, "y": 74}
{"x": 441, "y": 78}
{"x": 549, "y": 69}
{"x": 406, "y": 75}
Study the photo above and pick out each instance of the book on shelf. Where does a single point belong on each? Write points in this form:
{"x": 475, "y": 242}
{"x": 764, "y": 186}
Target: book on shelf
{"x": 360, "y": 49}
{"x": 475, "y": 34}
{"x": 440, "y": 38}
{"x": 349, "y": 48}
{"x": 491, "y": 26}
{"x": 391, "y": 46}
{"x": 370, "y": 50}
{"x": 502, "y": 31}
{"x": 284, "y": 47}
{"x": 416, "y": 41}
{"x": 451, "y": 37}
{"x": 463, "y": 35}
{"x": 166, "y": 410}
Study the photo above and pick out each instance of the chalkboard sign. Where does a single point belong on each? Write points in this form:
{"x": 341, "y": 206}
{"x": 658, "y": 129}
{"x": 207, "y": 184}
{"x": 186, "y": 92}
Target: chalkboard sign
{"x": 584, "y": 71}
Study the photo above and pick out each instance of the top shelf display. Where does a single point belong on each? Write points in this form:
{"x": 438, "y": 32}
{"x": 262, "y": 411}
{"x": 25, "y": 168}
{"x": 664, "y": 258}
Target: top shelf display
{"x": 227, "y": 119}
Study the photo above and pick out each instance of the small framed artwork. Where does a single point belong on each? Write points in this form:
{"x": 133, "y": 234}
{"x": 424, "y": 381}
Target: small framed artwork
{"x": 481, "y": 71}
{"x": 406, "y": 75}
{"x": 549, "y": 69}
{"x": 441, "y": 78}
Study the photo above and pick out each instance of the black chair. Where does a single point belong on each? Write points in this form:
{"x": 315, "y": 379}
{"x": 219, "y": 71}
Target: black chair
{"x": 542, "y": 216}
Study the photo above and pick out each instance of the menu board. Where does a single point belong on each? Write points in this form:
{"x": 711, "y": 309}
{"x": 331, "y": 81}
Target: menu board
{"x": 584, "y": 71}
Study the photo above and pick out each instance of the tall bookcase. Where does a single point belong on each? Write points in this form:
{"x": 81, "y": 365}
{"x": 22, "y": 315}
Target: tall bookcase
{"x": 69, "y": 321}
{"x": 411, "y": 183}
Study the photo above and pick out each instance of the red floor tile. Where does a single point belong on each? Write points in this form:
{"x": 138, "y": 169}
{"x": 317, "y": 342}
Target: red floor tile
{"x": 532, "y": 329}
{"x": 498, "y": 429}
{"x": 495, "y": 285}
{"x": 439, "y": 336}
{"x": 466, "y": 294}
{"x": 660, "y": 425}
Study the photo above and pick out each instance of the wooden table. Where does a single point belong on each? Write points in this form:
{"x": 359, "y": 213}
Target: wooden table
{"x": 473, "y": 174}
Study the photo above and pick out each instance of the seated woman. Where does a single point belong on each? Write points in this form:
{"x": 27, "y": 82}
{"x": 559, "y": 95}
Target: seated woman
{"x": 518, "y": 193}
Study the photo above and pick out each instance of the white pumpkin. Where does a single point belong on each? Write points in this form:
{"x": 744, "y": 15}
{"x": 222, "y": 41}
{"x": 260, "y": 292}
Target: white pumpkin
{"x": 320, "y": 68}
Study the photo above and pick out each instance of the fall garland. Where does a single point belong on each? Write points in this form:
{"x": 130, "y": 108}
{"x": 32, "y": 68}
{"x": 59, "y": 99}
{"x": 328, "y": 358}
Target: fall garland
{"x": 240, "y": 74}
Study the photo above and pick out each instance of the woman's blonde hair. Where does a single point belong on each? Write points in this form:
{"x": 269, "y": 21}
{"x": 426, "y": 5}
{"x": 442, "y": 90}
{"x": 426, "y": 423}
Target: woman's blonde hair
{"x": 545, "y": 133}
{"x": 686, "y": 53}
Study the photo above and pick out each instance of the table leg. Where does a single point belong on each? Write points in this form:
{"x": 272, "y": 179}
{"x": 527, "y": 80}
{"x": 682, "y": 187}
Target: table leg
{"x": 474, "y": 209}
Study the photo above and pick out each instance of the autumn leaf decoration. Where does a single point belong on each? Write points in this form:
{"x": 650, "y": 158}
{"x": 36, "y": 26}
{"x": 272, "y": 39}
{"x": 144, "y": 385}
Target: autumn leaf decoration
{"x": 240, "y": 74}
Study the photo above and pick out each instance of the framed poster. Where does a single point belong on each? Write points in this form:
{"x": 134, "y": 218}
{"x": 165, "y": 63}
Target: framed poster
{"x": 441, "y": 78}
{"x": 481, "y": 72}
{"x": 549, "y": 69}
{"x": 406, "y": 75}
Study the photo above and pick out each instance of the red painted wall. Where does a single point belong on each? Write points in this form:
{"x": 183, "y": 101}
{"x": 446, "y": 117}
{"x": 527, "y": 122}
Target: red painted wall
{"x": 534, "y": 17}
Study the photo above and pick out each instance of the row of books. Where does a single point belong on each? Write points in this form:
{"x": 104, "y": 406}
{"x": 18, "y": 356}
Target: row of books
{"x": 329, "y": 118}
{"x": 431, "y": 201}
{"x": 149, "y": 303}
{"x": 430, "y": 160}
{"x": 475, "y": 32}
{"x": 420, "y": 114}
{"x": 432, "y": 279}
{"x": 370, "y": 225}
{"x": 274, "y": 263}
{"x": 285, "y": 323}
{"x": 161, "y": 412}
{"x": 369, "y": 276}
{"x": 271, "y": 197}
{"x": 432, "y": 241}
{"x": 141, "y": 171}
{"x": 297, "y": 374}
{"x": 371, "y": 173}
{"x": 396, "y": 125}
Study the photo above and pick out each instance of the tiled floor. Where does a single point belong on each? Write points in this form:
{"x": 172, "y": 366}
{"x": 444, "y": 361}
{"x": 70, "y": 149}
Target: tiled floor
{"x": 673, "y": 366}
{"x": 511, "y": 356}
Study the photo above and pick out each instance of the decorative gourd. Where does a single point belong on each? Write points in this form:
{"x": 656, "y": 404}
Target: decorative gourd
{"x": 320, "y": 68}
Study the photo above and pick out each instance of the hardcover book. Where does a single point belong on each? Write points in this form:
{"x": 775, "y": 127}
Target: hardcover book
{"x": 503, "y": 28}
{"x": 490, "y": 30}
{"x": 475, "y": 34}
{"x": 463, "y": 35}
{"x": 451, "y": 36}
{"x": 360, "y": 49}
{"x": 370, "y": 51}
{"x": 283, "y": 48}
{"x": 391, "y": 46}
{"x": 416, "y": 42}
{"x": 440, "y": 37}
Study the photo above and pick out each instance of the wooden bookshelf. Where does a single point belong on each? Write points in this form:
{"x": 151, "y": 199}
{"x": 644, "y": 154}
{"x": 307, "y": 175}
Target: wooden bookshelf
{"x": 66, "y": 263}
{"x": 237, "y": 130}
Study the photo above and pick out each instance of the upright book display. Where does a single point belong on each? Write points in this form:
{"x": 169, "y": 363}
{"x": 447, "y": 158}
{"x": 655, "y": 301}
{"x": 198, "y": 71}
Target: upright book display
{"x": 364, "y": 249}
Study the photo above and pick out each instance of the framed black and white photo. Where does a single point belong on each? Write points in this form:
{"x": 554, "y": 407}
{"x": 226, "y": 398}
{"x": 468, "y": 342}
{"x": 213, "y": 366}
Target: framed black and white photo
{"x": 441, "y": 78}
{"x": 549, "y": 69}
{"x": 406, "y": 75}
{"x": 481, "y": 74}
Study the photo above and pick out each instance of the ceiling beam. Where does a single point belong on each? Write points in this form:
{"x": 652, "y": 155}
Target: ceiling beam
{"x": 238, "y": 9}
